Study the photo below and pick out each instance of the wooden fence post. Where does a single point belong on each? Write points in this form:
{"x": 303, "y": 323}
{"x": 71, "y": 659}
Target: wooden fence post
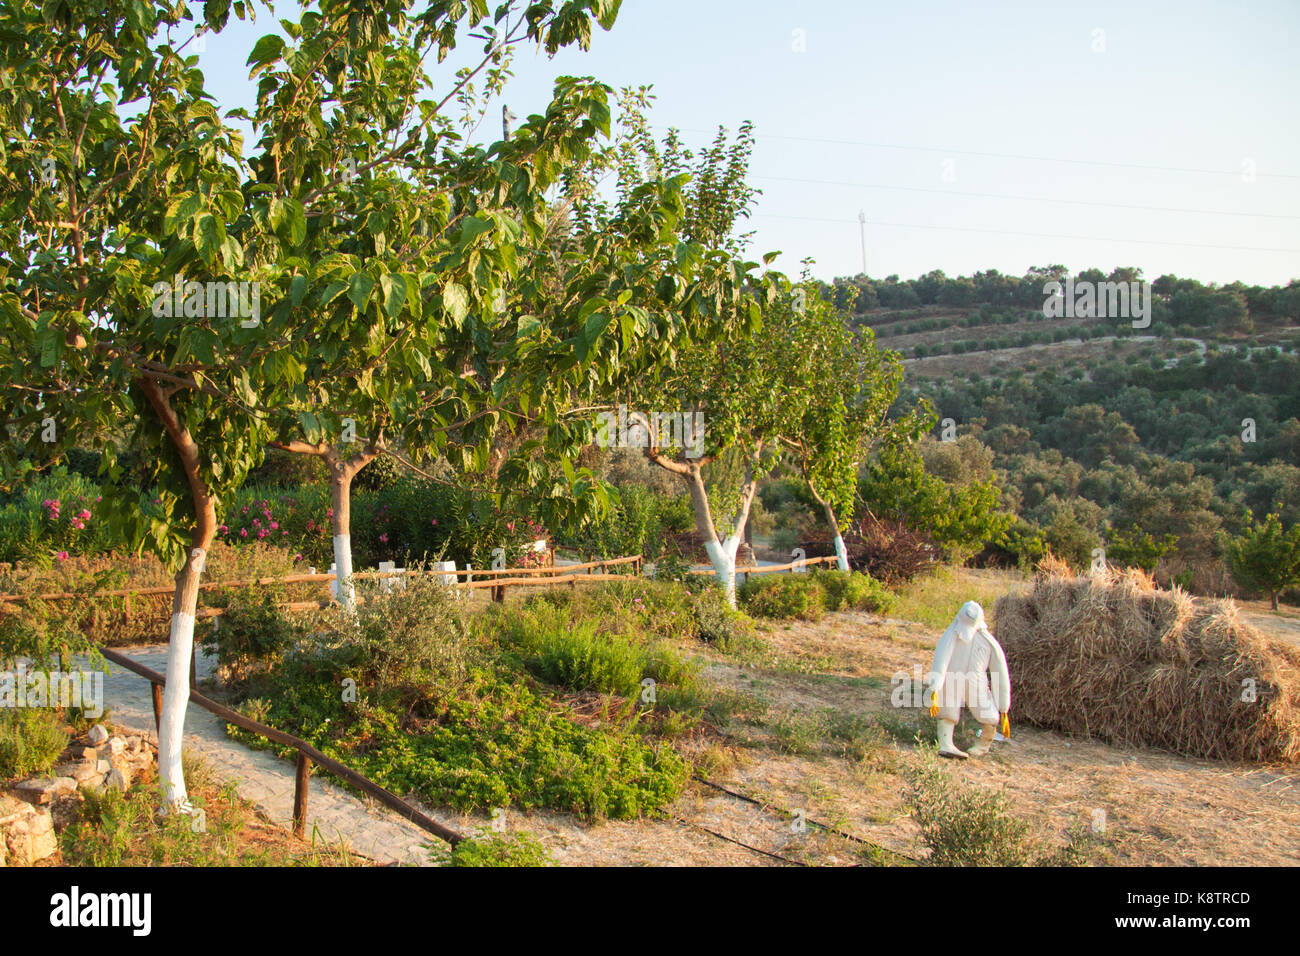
{"x": 300, "y": 795}
{"x": 157, "y": 706}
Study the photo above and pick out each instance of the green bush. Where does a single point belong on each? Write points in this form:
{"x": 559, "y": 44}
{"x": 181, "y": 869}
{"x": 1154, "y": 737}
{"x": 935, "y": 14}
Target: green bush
{"x": 253, "y": 633}
{"x": 717, "y": 622}
{"x": 579, "y": 657}
{"x": 516, "y": 849}
{"x": 31, "y": 739}
{"x": 51, "y": 517}
{"x": 414, "y": 635}
{"x": 496, "y": 744}
{"x": 853, "y": 590}
{"x": 784, "y": 596}
{"x": 965, "y": 825}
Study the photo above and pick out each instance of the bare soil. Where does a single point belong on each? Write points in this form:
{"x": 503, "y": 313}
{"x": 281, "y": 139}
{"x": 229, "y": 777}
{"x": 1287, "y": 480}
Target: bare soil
{"x": 1154, "y": 808}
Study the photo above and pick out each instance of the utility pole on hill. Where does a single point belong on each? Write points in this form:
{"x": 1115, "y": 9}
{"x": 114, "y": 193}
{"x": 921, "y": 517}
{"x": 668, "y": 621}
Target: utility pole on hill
{"x": 862, "y": 221}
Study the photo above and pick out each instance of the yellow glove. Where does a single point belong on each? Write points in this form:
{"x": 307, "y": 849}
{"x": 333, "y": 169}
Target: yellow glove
{"x": 934, "y": 704}
{"x": 1005, "y": 729}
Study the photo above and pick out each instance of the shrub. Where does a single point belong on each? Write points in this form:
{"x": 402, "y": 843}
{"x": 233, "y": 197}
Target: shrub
{"x": 51, "y": 518}
{"x": 717, "y": 622}
{"x": 965, "y": 825}
{"x": 856, "y": 591}
{"x": 784, "y": 596}
{"x": 578, "y": 657}
{"x": 253, "y": 633}
{"x": 31, "y": 739}
{"x": 495, "y": 744}
{"x": 414, "y": 635}
{"x": 515, "y": 849}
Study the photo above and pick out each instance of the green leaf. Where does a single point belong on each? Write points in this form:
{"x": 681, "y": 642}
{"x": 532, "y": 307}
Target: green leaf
{"x": 394, "y": 288}
{"x": 359, "y": 290}
{"x": 456, "y": 302}
{"x": 209, "y": 234}
{"x": 266, "y": 50}
{"x": 297, "y": 220}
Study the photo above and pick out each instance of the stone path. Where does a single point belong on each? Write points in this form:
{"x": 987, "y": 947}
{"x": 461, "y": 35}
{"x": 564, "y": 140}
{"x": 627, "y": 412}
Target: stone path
{"x": 264, "y": 779}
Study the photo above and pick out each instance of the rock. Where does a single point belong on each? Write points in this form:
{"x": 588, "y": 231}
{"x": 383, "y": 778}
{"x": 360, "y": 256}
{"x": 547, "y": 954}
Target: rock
{"x": 26, "y": 833}
{"x": 116, "y": 745}
{"x": 103, "y": 766}
{"x": 134, "y": 744}
{"x": 41, "y": 790}
{"x": 98, "y": 734}
{"x": 84, "y": 771}
{"x": 81, "y": 753}
{"x": 115, "y": 779}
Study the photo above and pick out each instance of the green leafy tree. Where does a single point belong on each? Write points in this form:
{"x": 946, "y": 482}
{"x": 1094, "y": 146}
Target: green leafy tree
{"x": 105, "y": 208}
{"x": 1266, "y": 556}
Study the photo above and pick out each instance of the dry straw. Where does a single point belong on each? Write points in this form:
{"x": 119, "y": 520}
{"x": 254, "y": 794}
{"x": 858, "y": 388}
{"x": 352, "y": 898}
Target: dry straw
{"x": 1109, "y": 655}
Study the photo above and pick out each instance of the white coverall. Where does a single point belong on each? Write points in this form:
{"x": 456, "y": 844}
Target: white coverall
{"x": 969, "y": 670}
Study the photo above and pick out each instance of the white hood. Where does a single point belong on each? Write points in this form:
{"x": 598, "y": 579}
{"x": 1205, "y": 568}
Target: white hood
{"x": 969, "y": 620}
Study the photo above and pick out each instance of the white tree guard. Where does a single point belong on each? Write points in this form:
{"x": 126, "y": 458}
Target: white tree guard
{"x": 171, "y": 722}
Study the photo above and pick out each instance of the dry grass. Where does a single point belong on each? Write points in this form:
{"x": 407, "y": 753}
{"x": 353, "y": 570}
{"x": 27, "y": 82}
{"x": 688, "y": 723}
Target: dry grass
{"x": 1112, "y": 656}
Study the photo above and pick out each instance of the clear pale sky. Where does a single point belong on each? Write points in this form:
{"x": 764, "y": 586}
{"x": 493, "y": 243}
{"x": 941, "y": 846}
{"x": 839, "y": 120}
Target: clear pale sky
{"x": 932, "y": 117}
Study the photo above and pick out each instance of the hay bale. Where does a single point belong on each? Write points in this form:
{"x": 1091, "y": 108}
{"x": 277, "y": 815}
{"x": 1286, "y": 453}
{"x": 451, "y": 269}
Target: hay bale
{"x": 1111, "y": 656}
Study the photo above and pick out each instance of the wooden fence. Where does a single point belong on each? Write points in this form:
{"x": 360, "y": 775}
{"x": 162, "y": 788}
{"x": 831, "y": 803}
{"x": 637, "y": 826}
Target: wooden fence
{"x": 307, "y": 756}
{"x": 496, "y": 580}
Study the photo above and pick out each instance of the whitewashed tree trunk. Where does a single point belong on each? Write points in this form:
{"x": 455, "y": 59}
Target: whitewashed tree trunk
{"x": 341, "y": 497}
{"x": 722, "y": 555}
{"x": 185, "y": 602}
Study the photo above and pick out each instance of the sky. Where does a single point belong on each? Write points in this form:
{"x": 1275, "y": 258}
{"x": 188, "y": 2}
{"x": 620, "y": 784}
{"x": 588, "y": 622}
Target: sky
{"x": 972, "y": 136}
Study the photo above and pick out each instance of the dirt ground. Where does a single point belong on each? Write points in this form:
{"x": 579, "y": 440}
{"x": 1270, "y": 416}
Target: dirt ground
{"x": 1151, "y": 808}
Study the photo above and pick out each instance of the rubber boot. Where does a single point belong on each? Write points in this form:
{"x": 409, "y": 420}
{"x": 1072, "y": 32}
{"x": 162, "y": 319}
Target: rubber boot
{"x": 946, "y": 747}
{"x": 985, "y": 741}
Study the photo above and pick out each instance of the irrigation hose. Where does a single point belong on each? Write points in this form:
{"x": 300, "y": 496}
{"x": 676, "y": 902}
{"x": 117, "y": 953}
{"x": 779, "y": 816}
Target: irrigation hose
{"x": 809, "y": 820}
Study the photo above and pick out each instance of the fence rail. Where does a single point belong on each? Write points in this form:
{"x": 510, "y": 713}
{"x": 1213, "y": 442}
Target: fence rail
{"x": 494, "y": 580}
{"x": 773, "y": 568}
{"x": 307, "y": 756}
{"x": 513, "y": 576}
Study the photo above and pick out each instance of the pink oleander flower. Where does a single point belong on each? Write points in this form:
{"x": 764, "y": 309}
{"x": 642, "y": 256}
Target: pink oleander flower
{"x": 311, "y": 525}
{"x": 78, "y": 525}
{"x": 62, "y": 555}
{"x": 433, "y": 521}
{"x": 384, "y": 538}
{"x": 275, "y": 526}
{"x": 243, "y": 532}
{"x": 298, "y": 556}
{"x": 83, "y": 514}
{"x": 223, "y": 529}
{"x": 284, "y": 534}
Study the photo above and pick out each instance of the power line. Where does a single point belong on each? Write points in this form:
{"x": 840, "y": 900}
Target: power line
{"x": 1021, "y": 156}
{"x": 1036, "y": 235}
{"x": 1070, "y": 202}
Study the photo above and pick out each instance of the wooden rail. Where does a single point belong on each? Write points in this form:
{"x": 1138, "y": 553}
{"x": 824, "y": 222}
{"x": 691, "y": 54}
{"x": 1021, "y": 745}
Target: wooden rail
{"x": 322, "y": 578}
{"x": 770, "y": 569}
{"x": 307, "y": 755}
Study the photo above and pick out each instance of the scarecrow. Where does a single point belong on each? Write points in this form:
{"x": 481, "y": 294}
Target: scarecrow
{"x": 964, "y": 661}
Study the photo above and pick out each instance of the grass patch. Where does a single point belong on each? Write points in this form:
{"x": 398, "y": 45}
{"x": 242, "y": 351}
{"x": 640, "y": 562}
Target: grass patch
{"x": 933, "y": 600}
{"x": 31, "y": 739}
{"x": 112, "y": 828}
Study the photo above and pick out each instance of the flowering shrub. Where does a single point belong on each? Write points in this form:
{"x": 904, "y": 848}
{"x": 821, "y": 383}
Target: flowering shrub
{"x": 404, "y": 521}
{"x": 51, "y": 519}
